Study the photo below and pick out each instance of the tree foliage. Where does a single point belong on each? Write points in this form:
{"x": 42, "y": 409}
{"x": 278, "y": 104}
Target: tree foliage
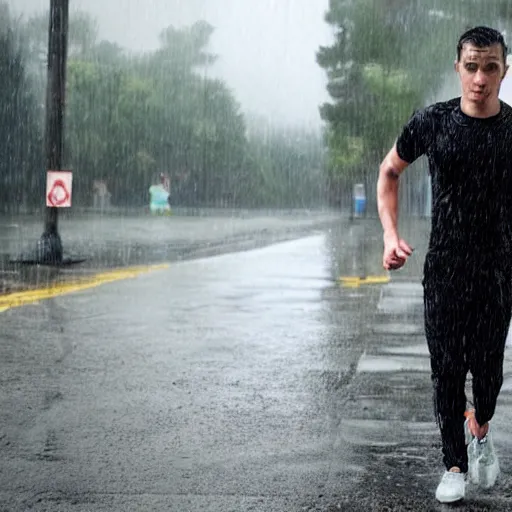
{"x": 131, "y": 116}
{"x": 388, "y": 58}
{"x": 21, "y": 142}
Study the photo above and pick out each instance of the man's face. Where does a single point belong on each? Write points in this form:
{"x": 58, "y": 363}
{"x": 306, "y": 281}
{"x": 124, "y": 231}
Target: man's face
{"x": 481, "y": 71}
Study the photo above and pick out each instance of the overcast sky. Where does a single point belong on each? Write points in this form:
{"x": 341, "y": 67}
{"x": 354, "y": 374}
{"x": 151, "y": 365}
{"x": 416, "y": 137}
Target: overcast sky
{"x": 266, "y": 48}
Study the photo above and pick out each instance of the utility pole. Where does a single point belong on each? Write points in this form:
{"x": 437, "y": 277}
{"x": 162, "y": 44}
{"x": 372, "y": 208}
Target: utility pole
{"x": 49, "y": 247}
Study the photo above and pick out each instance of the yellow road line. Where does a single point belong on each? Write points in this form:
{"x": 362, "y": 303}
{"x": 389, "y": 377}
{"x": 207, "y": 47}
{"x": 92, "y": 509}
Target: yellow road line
{"x": 17, "y": 299}
{"x": 356, "y": 282}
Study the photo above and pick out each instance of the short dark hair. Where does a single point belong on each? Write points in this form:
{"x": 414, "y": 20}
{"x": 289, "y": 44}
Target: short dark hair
{"x": 481, "y": 37}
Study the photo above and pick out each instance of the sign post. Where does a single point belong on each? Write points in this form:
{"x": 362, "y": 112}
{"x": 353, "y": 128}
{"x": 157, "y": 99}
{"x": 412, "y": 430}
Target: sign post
{"x": 58, "y": 182}
{"x": 49, "y": 247}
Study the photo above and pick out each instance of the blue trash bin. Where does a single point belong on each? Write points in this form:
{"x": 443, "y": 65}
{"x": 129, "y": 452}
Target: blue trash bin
{"x": 359, "y": 200}
{"x": 359, "y": 206}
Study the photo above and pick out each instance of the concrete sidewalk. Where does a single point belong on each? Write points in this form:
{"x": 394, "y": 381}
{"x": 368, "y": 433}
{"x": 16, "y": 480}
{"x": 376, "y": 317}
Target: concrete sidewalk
{"x": 393, "y": 397}
{"x": 387, "y": 406}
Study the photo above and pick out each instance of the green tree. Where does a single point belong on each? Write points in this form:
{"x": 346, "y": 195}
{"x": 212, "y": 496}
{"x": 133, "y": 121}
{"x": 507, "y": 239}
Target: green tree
{"x": 388, "y": 58}
{"x": 131, "y": 116}
{"x": 286, "y": 167}
{"x": 21, "y": 140}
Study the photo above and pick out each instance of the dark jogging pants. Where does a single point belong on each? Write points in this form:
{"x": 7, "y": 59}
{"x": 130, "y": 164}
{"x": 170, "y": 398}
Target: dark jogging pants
{"x": 468, "y": 306}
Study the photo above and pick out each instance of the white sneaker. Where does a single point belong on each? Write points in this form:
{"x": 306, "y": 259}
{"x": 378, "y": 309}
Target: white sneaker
{"x": 452, "y": 487}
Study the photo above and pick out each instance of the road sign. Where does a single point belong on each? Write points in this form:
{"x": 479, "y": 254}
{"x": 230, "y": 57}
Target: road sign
{"x": 58, "y": 189}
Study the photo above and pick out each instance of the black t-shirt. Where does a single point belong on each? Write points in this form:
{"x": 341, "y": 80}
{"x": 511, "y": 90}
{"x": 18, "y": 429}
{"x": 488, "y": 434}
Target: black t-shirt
{"x": 470, "y": 161}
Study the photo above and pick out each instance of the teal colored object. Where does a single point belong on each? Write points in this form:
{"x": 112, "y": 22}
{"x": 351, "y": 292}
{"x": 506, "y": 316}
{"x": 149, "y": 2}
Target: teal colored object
{"x": 159, "y": 199}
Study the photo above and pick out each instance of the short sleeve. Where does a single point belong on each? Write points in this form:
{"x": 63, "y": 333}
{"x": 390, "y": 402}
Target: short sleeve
{"x": 416, "y": 136}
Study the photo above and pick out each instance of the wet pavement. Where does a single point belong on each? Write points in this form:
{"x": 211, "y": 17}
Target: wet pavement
{"x": 117, "y": 240}
{"x": 249, "y": 381}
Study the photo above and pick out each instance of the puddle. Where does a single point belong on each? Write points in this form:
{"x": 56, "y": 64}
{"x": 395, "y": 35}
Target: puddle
{"x": 417, "y": 350}
{"x": 355, "y": 295}
{"x": 400, "y": 297}
{"x": 396, "y": 305}
{"x": 414, "y": 290}
{"x": 398, "y": 328}
{"x": 366, "y": 433}
{"x": 376, "y": 364}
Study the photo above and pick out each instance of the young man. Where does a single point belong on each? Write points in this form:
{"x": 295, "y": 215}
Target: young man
{"x": 467, "y": 273}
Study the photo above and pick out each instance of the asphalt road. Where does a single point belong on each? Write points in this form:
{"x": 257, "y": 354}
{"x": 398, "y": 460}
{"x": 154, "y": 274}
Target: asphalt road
{"x": 115, "y": 240}
{"x": 250, "y": 381}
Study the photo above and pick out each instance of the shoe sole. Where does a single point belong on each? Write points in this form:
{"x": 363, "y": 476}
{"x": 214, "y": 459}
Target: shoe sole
{"x": 452, "y": 500}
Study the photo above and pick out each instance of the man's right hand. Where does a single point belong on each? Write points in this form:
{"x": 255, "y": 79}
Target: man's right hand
{"x": 396, "y": 252}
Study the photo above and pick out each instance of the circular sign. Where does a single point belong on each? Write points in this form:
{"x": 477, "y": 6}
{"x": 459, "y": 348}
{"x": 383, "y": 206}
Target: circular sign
{"x": 58, "y": 194}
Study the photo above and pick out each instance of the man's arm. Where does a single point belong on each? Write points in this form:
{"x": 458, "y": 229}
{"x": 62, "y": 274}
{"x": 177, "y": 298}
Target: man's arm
{"x": 387, "y": 191}
{"x": 396, "y": 250}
